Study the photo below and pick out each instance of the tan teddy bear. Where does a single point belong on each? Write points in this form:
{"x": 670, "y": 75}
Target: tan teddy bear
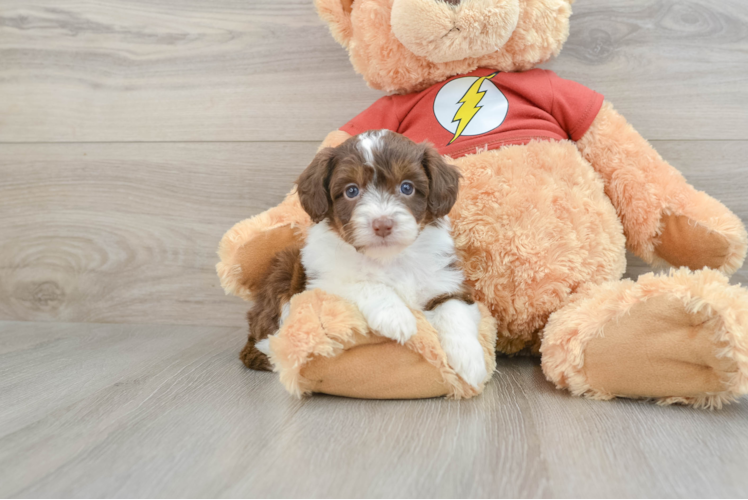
{"x": 556, "y": 185}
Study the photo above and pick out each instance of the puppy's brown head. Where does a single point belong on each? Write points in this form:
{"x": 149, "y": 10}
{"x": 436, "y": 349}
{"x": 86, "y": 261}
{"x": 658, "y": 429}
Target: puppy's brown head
{"x": 378, "y": 190}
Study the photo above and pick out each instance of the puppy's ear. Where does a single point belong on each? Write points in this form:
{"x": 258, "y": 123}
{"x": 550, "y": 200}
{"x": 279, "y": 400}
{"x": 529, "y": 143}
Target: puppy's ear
{"x": 444, "y": 182}
{"x": 313, "y": 185}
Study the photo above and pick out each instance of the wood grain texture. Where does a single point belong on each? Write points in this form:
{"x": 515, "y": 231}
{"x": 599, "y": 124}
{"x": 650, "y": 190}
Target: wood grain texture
{"x": 675, "y": 69}
{"x": 91, "y": 410}
{"x": 138, "y": 70}
{"x": 126, "y": 233}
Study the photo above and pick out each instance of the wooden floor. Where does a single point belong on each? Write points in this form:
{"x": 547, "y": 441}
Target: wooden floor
{"x": 133, "y": 133}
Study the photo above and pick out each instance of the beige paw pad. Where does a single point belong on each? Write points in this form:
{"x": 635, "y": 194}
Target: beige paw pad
{"x": 657, "y": 350}
{"x": 685, "y": 242}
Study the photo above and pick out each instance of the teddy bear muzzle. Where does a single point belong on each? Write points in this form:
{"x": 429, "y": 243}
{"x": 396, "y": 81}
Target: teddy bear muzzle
{"x": 443, "y": 31}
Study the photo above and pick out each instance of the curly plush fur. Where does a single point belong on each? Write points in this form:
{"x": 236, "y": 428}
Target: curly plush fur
{"x": 386, "y": 64}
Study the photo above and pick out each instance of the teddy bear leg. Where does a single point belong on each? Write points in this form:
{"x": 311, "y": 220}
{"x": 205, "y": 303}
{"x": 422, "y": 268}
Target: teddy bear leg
{"x": 676, "y": 338}
{"x": 664, "y": 218}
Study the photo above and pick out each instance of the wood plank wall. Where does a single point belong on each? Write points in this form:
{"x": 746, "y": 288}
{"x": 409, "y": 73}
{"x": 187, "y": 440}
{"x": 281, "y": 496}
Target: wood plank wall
{"x": 133, "y": 133}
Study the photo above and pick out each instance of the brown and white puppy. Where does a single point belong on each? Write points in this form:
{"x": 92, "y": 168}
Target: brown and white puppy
{"x": 382, "y": 241}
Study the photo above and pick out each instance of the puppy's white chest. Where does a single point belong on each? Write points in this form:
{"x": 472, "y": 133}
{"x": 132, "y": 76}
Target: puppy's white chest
{"x": 402, "y": 277}
{"x": 419, "y": 273}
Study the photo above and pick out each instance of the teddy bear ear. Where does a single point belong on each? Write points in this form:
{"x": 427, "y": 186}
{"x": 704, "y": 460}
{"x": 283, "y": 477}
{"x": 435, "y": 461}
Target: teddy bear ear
{"x": 337, "y": 14}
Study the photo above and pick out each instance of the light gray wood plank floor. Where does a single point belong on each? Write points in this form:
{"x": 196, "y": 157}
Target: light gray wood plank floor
{"x": 141, "y": 410}
{"x": 133, "y": 133}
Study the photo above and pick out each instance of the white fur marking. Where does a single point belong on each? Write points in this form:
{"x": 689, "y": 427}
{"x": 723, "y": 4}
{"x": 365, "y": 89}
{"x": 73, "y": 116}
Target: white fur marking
{"x": 457, "y": 325}
{"x": 368, "y": 142}
{"x": 264, "y": 346}
{"x": 285, "y": 311}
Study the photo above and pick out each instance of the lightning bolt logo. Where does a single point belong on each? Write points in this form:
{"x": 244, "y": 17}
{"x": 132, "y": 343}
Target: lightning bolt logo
{"x": 470, "y": 105}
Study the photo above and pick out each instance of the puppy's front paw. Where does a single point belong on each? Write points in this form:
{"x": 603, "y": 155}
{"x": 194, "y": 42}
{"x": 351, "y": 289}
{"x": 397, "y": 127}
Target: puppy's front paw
{"x": 457, "y": 325}
{"x": 396, "y": 323}
{"x": 465, "y": 356}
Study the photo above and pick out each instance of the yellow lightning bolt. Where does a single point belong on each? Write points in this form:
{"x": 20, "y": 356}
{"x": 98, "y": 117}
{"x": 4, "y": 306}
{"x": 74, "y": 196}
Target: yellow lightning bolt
{"x": 470, "y": 105}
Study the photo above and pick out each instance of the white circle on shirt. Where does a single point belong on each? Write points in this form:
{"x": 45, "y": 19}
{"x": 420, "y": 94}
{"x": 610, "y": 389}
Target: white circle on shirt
{"x": 483, "y": 106}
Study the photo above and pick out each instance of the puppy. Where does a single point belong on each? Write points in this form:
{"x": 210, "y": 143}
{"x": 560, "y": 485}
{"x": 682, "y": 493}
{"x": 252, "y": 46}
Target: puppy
{"x": 381, "y": 240}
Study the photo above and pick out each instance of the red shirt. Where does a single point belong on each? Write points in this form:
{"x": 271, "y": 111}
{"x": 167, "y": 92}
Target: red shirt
{"x": 484, "y": 110}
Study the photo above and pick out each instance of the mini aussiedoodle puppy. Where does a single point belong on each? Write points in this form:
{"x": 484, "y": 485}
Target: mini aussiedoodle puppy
{"x": 381, "y": 240}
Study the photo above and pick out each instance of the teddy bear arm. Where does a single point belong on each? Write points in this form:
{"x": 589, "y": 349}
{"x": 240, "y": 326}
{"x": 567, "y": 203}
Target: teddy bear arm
{"x": 248, "y": 248}
{"x": 334, "y": 138}
{"x": 664, "y": 218}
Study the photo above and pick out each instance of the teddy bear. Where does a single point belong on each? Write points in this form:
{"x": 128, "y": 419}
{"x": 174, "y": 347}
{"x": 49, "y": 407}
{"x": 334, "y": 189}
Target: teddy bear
{"x": 556, "y": 185}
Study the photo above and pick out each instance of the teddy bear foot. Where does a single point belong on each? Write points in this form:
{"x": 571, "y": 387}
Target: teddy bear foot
{"x": 677, "y": 338}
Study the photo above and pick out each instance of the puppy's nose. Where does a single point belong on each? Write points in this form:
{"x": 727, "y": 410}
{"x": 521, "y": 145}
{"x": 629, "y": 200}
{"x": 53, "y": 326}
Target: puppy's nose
{"x": 382, "y": 226}
{"x": 452, "y": 2}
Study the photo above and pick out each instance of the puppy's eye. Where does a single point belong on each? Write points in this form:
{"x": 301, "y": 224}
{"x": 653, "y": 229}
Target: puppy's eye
{"x": 407, "y": 188}
{"x": 351, "y": 191}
